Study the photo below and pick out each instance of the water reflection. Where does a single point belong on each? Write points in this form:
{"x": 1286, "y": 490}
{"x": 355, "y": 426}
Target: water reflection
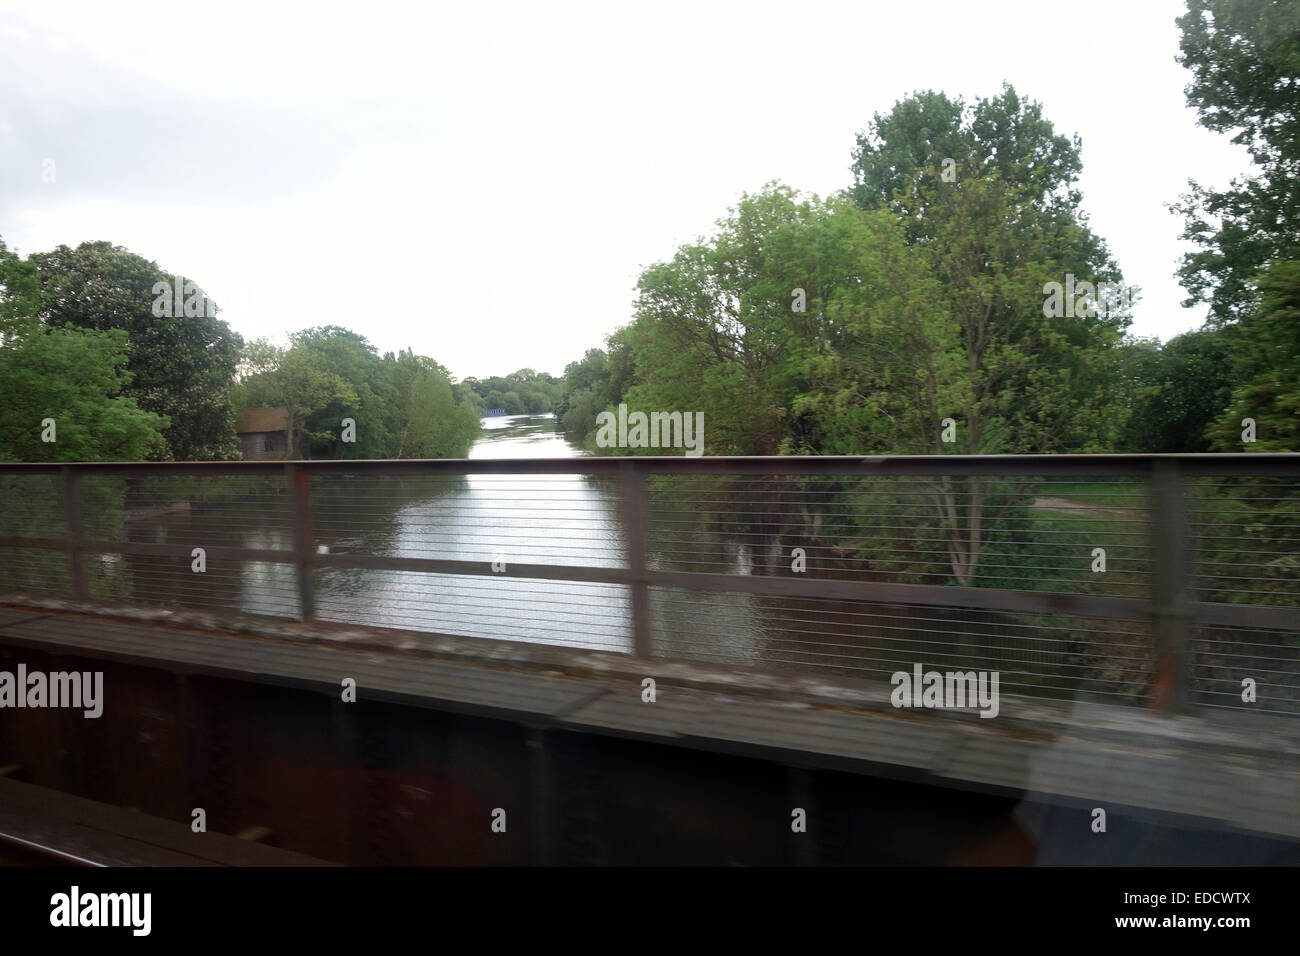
{"x": 501, "y": 519}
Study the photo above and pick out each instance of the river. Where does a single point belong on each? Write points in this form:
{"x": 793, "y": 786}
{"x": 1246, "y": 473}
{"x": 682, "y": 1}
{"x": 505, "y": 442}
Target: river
{"x": 540, "y": 519}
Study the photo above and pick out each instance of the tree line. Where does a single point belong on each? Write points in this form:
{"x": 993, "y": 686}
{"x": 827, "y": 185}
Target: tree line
{"x": 524, "y": 392}
{"x": 401, "y": 405}
{"x": 130, "y": 363}
{"x": 905, "y": 314}
{"x": 98, "y": 365}
{"x": 919, "y": 294}
{"x": 920, "y": 310}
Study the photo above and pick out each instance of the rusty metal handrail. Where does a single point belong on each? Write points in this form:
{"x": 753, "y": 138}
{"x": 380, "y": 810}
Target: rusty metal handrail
{"x": 1168, "y": 607}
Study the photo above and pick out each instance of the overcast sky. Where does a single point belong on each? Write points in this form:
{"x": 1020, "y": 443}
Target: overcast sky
{"x": 485, "y": 183}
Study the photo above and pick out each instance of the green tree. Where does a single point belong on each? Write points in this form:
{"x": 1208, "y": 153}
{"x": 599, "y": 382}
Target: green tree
{"x": 945, "y": 348}
{"x": 297, "y": 379}
{"x": 76, "y": 378}
{"x": 1268, "y": 366}
{"x": 1244, "y": 56}
{"x": 963, "y": 335}
{"x": 596, "y": 383}
{"x": 1178, "y": 390}
{"x": 19, "y": 296}
{"x": 535, "y": 393}
{"x": 715, "y": 328}
{"x": 430, "y": 422}
{"x": 369, "y": 400}
{"x": 465, "y": 395}
{"x": 860, "y": 327}
{"x": 403, "y": 405}
{"x": 586, "y": 390}
{"x": 1004, "y": 136}
{"x": 182, "y": 366}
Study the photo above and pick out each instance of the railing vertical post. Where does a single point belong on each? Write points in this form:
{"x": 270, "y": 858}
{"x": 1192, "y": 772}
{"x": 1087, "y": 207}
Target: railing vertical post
{"x": 300, "y": 492}
{"x": 638, "y": 544}
{"x": 76, "y": 534}
{"x": 1169, "y": 583}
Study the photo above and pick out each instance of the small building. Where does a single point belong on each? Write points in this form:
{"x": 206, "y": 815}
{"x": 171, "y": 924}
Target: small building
{"x": 263, "y": 433}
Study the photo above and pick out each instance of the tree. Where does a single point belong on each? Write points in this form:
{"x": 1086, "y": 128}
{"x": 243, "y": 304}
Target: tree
{"x": 929, "y": 135}
{"x": 430, "y": 422}
{"x": 181, "y": 366}
{"x": 1244, "y": 56}
{"x": 945, "y": 348}
{"x": 965, "y": 335}
{"x": 534, "y": 393}
{"x": 1258, "y": 509}
{"x": 1268, "y": 366}
{"x": 370, "y": 400}
{"x": 715, "y": 326}
{"x": 465, "y": 395}
{"x": 75, "y": 379}
{"x": 403, "y": 405}
{"x": 584, "y": 393}
{"x": 868, "y": 323}
{"x": 295, "y": 378}
{"x": 19, "y": 296}
{"x": 1178, "y": 390}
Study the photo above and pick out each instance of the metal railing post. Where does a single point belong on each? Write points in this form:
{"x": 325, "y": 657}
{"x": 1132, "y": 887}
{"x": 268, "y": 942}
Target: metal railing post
{"x": 300, "y": 492}
{"x": 634, "y": 515}
{"x": 76, "y": 534}
{"x": 1169, "y": 582}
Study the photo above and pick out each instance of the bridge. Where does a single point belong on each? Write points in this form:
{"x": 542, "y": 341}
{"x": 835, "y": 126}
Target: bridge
{"x": 629, "y": 660}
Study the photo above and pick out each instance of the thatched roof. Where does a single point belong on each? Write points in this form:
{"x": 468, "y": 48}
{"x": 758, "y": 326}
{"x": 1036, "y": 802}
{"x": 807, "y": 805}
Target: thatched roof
{"x": 253, "y": 420}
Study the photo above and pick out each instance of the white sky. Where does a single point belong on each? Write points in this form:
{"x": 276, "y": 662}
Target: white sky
{"x": 484, "y": 183}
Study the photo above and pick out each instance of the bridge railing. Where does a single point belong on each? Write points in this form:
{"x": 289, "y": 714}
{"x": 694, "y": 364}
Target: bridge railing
{"x": 1106, "y": 577}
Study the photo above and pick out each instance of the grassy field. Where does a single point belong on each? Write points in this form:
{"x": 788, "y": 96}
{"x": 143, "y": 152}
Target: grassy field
{"x": 1115, "y": 493}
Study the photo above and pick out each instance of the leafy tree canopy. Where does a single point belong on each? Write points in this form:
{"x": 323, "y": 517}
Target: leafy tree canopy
{"x": 1244, "y": 56}
{"x": 181, "y": 366}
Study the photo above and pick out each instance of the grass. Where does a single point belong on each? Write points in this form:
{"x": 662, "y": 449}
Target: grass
{"x": 1117, "y": 493}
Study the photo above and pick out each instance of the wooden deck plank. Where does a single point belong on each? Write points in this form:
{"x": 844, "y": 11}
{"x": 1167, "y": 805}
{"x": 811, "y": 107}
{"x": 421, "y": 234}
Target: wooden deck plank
{"x": 16, "y": 616}
{"x": 112, "y": 836}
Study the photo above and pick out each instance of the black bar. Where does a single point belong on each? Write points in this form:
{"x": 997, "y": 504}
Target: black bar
{"x": 1170, "y": 616}
{"x": 76, "y": 553}
{"x": 1263, "y": 463}
{"x": 300, "y": 489}
{"x": 638, "y": 543}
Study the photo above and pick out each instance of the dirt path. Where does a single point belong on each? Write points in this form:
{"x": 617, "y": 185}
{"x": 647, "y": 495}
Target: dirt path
{"x": 1086, "y": 509}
